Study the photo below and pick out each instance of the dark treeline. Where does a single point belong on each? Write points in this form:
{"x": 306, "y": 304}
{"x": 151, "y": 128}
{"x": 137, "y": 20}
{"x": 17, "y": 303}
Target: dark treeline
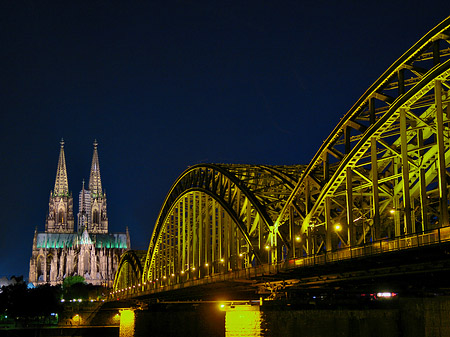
{"x": 19, "y": 301}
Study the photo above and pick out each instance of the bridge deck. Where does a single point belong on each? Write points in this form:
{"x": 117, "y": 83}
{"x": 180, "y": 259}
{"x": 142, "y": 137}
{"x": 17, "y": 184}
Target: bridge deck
{"x": 418, "y": 254}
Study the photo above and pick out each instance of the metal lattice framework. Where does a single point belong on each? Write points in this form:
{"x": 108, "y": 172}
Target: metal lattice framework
{"x": 218, "y": 218}
{"x": 129, "y": 272}
{"x": 381, "y": 174}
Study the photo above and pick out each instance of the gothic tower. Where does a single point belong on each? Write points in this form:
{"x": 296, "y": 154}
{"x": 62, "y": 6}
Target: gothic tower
{"x": 84, "y": 214}
{"x": 91, "y": 252}
{"x": 98, "y": 220}
{"x": 60, "y": 206}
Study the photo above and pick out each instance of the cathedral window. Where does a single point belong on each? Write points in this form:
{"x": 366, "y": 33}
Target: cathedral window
{"x": 40, "y": 266}
{"x": 61, "y": 216}
{"x": 95, "y": 217}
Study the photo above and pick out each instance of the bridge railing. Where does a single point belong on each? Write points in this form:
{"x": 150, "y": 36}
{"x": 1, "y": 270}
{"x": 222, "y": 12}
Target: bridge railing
{"x": 430, "y": 237}
{"x": 238, "y": 276}
{"x": 416, "y": 240}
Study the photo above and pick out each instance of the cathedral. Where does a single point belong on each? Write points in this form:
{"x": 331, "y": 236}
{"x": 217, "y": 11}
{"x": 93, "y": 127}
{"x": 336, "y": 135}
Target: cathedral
{"x": 90, "y": 251}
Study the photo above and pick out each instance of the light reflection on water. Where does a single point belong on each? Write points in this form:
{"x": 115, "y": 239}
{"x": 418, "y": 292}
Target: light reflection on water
{"x": 127, "y": 323}
{"x": 243, "y": 320}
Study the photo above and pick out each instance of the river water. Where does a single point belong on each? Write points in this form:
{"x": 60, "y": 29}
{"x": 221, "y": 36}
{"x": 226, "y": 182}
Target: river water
{"x": 414, "y": 317}
{"x": 253, "y": 320}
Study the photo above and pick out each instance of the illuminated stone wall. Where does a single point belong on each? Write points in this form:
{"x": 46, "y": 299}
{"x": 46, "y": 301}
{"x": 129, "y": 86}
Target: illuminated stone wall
{"x": 90, "y": 251}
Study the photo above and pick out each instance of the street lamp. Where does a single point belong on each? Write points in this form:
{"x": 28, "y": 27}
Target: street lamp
{"x": 268, "y": 253}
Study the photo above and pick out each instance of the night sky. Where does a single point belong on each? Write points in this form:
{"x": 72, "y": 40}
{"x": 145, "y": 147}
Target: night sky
{"x": 165, "y": 86}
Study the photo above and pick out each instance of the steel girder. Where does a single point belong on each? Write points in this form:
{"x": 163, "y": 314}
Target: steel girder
{"x": 218, "y": 217}
{"x": 383, "y": 171}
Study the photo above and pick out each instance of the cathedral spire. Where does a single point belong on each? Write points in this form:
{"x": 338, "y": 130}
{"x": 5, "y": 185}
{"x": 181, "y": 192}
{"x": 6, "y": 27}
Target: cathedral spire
{"x": 61, "y": 182}
{"x": 95, "y": 182}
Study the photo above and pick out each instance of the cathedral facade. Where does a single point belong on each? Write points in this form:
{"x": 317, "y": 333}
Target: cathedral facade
{"x": 89, "y": 251}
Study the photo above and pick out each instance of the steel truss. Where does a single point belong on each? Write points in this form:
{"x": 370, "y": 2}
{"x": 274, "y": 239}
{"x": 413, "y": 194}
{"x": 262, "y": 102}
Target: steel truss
{"x": 381, "y": 174}
{"x": 129, "y": 272}
{"x": 383, "y": 171}
{"x": 217, "y": 218}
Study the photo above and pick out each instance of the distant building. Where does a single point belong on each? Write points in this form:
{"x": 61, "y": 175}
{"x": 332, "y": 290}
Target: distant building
{"x": 91, "y": 251}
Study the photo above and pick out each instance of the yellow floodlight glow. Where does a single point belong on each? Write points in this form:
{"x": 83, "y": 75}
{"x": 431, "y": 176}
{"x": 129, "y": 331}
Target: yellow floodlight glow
{"x": 182, "y": 272}
{"x": 267, "y": 247}
{"x": 193, "y": 268}
{"x": 206, "y": 264}
{"x": 222, "y": 260}
{"x": 297, "y": 238}
{"x": 76, "y": 319}
{"x": 392, "y": 211}
{"x": 222, "y": 306}
{"x": 337, "y": 227}
{"x": 127, "y": 321}
{"x": 243, "y": 320}
{"x": 116, "y": 318}
{"x": 241, "y": 255}
{"x": 173, "y": 275}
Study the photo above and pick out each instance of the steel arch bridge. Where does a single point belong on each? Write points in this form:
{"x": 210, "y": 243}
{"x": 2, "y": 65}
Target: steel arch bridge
{"x": 382, "y": 174}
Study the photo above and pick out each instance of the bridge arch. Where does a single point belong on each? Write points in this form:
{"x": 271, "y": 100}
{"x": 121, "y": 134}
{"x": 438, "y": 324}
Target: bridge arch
{"x": 129, "y": 271}
{"x": 382, "y": 174}
{"x": 216, "y": 218}
{"x": 383, "y": 171}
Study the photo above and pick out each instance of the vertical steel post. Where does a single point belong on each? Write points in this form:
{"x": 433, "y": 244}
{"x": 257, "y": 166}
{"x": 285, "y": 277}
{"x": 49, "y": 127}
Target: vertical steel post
{"x": 183, "y": 268}
{"x": 194, "y": 231}
{"x": 220, "y": 237}
{"x": 214, "y": 237}
{"x": 208, "y": 205}
{"x": 328, "y": 226}
{"x": 179, "y": 237}
{"x": 405, "y": 174}
{"x": 375, "y": 196}
{"x": 349, "y": 204}
{"x": 292, "y": 232}
{"x": 201, "y": 226}
{"x": 422, "y": 182}
{"x": 397, "y": 228}
{"x": 443, "y": 197}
